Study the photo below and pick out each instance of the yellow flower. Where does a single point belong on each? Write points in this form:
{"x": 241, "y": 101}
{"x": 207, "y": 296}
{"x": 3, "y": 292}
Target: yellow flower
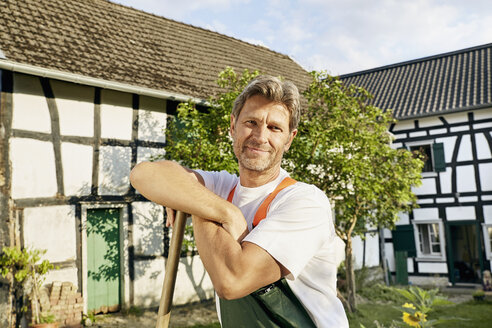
{"x": 409, "y": 306}
{"x": 411, "y": 320}
{"x": 422, "y": 317}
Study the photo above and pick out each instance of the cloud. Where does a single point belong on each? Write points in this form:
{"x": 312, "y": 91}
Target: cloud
{"x": 340, "y": 36}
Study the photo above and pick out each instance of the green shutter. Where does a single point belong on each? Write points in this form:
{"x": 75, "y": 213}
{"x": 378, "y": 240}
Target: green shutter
{"x": 404, "y": 239}
{"x": 401, "y": 268}
{"x": 439, "y": 161}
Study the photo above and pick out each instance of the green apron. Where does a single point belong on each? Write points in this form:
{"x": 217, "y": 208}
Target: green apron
{"x": 271, "y": 306}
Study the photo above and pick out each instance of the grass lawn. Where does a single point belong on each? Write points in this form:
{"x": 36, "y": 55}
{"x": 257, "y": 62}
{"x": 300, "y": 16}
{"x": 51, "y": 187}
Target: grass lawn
{"x": 478, "y": 315}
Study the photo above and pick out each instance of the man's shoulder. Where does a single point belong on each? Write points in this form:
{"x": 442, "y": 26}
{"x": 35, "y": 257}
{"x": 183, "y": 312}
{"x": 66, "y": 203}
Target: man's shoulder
{"x": 306, "y": 193}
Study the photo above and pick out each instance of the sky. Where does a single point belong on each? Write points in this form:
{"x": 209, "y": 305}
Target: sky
{"x": 339, "y": 36}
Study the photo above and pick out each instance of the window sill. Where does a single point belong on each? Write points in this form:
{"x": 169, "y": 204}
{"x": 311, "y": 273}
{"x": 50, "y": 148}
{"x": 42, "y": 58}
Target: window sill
{"x": 436, "y": 258}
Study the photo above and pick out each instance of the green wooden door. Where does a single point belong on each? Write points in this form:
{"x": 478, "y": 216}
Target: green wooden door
{"x": 103, "y": 260}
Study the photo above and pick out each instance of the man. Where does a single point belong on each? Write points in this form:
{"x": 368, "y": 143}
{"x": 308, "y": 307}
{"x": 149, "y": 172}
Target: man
{"x": 247, "y": 239}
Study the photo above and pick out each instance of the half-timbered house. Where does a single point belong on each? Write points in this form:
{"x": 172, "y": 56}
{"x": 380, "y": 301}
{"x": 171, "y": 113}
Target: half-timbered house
{"x": 86, "y": 87}
{"x": 443, "y": 105}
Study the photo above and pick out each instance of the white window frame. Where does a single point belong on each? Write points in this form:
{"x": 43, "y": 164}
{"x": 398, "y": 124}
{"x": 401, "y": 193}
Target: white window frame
{"x": 424, "y": 143}
{"x": 487, "y": 240}
{"x": 436, "y": 256}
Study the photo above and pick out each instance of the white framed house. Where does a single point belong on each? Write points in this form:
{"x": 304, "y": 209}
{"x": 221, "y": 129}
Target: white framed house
{"x": 443, "y": 104}
{"x": 86, "y": 88}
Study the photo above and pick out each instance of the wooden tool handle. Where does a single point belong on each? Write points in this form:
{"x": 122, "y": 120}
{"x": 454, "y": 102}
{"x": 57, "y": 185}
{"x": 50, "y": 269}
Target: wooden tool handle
{"x": 164, "y": 313}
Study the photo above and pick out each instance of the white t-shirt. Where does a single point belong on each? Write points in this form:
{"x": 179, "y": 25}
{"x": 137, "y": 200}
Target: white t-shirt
{"x": 298, "y": 232}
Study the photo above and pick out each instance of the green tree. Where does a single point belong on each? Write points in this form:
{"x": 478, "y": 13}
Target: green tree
{"x": 343, "y": 147}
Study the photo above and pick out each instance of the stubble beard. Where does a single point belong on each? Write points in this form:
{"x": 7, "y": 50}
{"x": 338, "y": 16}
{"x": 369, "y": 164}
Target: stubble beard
{"x": 256, "y": 164}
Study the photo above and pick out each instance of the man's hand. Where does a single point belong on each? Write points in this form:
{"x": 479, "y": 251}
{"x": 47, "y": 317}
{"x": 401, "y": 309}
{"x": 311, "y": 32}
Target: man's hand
{"x": 170, "y": 217}
{"x": 236, "y": 225}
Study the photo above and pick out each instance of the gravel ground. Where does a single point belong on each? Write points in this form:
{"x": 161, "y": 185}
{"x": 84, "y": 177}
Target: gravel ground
{"x": 181, "y": 316}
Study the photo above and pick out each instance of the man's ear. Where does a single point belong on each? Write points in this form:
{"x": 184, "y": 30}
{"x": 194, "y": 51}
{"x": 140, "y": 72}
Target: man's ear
{"x": 292, "y": 135}
{"x": 233, "y": 123}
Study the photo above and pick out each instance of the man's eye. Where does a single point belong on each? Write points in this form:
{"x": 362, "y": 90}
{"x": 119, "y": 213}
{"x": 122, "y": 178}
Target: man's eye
{"x": 275, "y": 128}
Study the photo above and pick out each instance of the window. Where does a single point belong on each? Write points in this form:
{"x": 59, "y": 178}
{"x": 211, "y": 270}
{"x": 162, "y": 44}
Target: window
{"x": 430, "y": 239}
{"x": 426, "y": 155}
{"x": 432, "y": 155}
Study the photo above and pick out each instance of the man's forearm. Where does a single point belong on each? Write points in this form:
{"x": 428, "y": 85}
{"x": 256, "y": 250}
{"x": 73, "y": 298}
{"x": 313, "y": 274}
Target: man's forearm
{"x": 220, "y": 254}
{"x": 169, "y": 184}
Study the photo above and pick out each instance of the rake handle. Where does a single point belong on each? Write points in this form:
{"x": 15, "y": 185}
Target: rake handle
{"x": 164, "y": 314}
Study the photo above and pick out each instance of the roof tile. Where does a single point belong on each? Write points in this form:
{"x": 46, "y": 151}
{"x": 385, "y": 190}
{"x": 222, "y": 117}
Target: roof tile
{"x": 452, "y": 81}
{"x": 105, "y": 40}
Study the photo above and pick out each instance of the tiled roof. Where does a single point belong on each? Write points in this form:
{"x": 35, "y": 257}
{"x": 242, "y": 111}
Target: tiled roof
{"x": 454, "y": 81}
{"x": 104, "y": 40}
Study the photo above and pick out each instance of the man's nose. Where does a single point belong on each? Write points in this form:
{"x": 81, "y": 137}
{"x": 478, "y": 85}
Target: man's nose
{"x": 260, "y": 133}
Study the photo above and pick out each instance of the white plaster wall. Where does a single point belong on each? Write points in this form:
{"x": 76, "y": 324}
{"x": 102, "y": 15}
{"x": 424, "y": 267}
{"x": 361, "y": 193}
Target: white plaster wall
{"x": 410, "y": 265}
{"x": 77, "y": 168}
{"x": 483, "y": 149}
{"x": 33, "y": 168}
{"x": 149, "y": 277}
{"x": 114, "y": 170}
{"x": 482, "y": 114}
{"x": 487, "y": 214}
{"x": 428, "y": 187}
{"x": 75, "y": 108}
{"x": 433, "y": 267}
{"x": 148, "y": 228}
{"x": 425, "y": 213}
{"x": 445, "y": 180}
{"x": 457, "y": 117}
{"x": 51, "y": 228}
{"x": 438, "y": 131}
{"x": 404, "y": 219}
{"x": 358, "y": 251}
{"x": 485, "y": 170}
{"x": 65, "y": 274}
{"x": 146, "y": 153}
{"x": 116, "y": 115}
{"x": 192, "y": 281}
{"x": 372, "y": 250}
{"x": 465, "y": 150}
{"x": 404, "y": 125}
{"x": 152, "y": 119}
{"x": 30, "y": 109}
{"x": 417, "y": 134}
{"x": 465, "y": 178}
{"x": 390, "y": 256}
{"x": 456, "y": 213}
{"x": 448, "y": 147}
{"x": 430, "y": 121}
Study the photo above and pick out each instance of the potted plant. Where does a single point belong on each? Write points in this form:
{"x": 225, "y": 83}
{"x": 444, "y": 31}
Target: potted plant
{"x": 26, "y": 277}
{"x": 478, "y": 295}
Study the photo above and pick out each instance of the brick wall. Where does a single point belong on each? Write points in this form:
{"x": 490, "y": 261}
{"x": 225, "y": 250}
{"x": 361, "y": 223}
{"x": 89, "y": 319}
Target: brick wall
{"x": 64, "y": 302}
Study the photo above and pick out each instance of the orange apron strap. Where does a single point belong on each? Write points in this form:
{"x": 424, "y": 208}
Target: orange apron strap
{"x": 263, "y": 209}
{"x": 231, "y": 194}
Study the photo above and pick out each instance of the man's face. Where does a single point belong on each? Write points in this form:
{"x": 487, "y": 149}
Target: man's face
{"x": 261, "y": 134}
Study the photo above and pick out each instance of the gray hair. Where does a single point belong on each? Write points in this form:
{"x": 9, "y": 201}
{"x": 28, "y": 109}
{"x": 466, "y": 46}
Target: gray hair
{"x": 272, "y": 88}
